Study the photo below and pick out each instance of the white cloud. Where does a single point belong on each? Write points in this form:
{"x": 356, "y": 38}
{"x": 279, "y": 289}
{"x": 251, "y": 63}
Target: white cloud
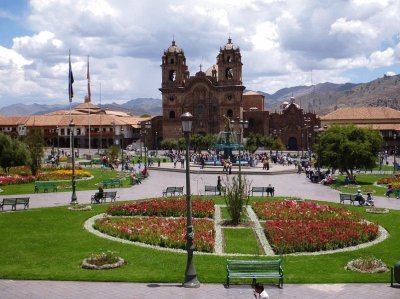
{"x": 281, "y": 42}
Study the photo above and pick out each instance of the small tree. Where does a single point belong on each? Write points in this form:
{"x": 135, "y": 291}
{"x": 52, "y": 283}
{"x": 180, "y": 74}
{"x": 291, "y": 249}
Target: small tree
{"x": 169, "y": 144}
{"x": 254, "y": 141}
{"x": 347, "y": 147}
{"x": 35, "y": 143}
{"x": 278, "y": 145}
{"x": 12, "y": 153}
{"x": 236, "y": 197}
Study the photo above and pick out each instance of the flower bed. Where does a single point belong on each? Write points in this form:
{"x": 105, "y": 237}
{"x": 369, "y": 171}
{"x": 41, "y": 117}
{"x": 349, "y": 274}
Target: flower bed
{"x": 62, "y": 174}
{"x": 159, "y": 231}
{"x": 103, "y": 260}
{"x": 389, "y": 180}
{"x": 201, "y": 208}
{"x": 16, "y": 179}
{"x": 288, "y": 236}
{"x": 307, "y": 227}
{"x": 290, "y": 209}
{"x": 367, "y": 265}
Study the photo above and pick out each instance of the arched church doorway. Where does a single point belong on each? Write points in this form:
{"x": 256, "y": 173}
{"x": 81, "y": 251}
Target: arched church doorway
{"x": 292, "y": 144}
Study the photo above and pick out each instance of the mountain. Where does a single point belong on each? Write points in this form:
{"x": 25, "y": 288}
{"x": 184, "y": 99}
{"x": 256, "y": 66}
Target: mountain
{"x": 135, "y": 107}
{"x": 321, "y": 98}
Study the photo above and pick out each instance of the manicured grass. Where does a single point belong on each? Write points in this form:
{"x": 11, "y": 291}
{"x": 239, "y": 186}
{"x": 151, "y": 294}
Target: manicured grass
{"x": 50, "y": 243}
{"x": 225, "y": 214}
{"x": 98, "y": 173}
{"x": 241, "y": 240}
{"x": 365, "y": 182}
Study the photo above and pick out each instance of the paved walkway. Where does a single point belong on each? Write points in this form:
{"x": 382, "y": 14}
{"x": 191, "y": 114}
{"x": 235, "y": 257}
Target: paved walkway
{"x": 10, "y": 289}
{"x": 291, "y": 184}
{"x": 286, "y": 184}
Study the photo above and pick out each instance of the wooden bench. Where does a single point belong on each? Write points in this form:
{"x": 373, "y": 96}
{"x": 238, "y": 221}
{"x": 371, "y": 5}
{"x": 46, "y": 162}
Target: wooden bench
{"x": 13, "y": 202}
{"x": 85, "y": 163}
{"x": 268, "y": 190}
{"x": 213, "y": 189}
{"x": 110, "y": 194}
{"x": 173, "y": 191}
{"x": 350, "y": 197}
{"x": 45, "y": 186}
{"x": 254, "y": 270}
{"x": 112, "y": 183}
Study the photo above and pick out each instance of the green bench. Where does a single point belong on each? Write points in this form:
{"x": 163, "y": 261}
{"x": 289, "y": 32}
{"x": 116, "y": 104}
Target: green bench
{"x": 173, "y": 191}
{"x": 267, "y": 190}
{"x": 85, "y": 163}
{"x": 213, "y": 189}
{"x": 254, "y": 270}
{"x": 111, "y": 195}
{"x": 112, "y": 183}
{"x": 13, "y": 202}
{"x": 45, "y": 186}
{"x": 350, "y": 197}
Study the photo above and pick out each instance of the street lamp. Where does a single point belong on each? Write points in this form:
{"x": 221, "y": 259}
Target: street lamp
{"x": 74, "y": 199}
{"x": 394, "y": 154}
{"x": 122, "y": 149}
{"x": 58, "y": 142}
{"x": 243, "y": 124}
{"x": 147, "y": 125}
{"x": 156, "y": 133}
{"x": 191, "y": 280}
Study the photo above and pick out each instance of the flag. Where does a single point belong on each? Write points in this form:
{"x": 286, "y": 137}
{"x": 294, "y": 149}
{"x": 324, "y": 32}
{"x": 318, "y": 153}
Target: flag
{"x": 88, "y": 81}
{"x": 70, "y": 80}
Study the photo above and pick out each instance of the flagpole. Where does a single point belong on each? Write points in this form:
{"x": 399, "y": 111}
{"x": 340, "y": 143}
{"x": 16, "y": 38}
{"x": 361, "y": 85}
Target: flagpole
{"x": 89, "y": 98}
{"x": 74, "y": 199}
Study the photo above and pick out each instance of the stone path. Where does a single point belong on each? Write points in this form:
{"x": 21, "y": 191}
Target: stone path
{"x": 285, "y": 185}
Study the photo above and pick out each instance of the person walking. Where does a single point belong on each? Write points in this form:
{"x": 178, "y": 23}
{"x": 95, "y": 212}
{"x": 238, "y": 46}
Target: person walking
{"x": 219, "y": 185}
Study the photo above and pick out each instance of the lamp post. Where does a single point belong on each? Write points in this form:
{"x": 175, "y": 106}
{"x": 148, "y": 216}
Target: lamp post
{"x": 191, "y": 280}
{"x": 156, "y": 133}
{"x": 148, "y": 127}
{"x": 74, "y": 199}
{"x": 243, "y": 124}
{"x": 122, "y": 149}
{"x": 394, "y": 154}
{"x": 58, "y": 141}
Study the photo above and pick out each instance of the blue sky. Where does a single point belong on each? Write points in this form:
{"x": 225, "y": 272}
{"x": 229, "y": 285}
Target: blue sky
{"x": 281, "y": 41}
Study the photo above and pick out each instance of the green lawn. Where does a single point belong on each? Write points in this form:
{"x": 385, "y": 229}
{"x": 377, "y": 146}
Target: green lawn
{"x": 365, "y": 182}
{"x": 241, "y": 240}
{"x": 98, "y": 173}
{"x": 50, "y": 243}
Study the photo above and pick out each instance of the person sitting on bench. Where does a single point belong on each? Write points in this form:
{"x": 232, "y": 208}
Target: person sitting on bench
{"x": 370, "y": 200}
{"x": 360, "y": 198}
{"x": 99, "y": 195}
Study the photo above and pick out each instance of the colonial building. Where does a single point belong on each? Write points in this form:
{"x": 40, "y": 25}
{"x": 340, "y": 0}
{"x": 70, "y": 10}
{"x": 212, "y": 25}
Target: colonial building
{"x": 208, "y": 96}
{"x": 100, "y": 127}
{"x": 216, "y": 95}
{"x": 384, "y": 119}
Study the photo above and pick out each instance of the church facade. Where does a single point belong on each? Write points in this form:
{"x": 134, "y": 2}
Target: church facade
{"x": 217, "y": 95}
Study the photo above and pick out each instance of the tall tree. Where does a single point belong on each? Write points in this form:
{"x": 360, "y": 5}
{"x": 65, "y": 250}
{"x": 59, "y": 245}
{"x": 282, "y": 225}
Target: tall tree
{"x": 347, "y": 148}
{"x": 35, "y": 142}
{"x": 169, "y": 144}
{"x": 254, "y": 141}
{"x": 12, "y": 153}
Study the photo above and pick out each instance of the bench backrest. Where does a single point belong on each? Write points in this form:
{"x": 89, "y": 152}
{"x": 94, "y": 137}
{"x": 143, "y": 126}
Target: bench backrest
{"x": 171, "y": 189}
{"x": 253, "y": 266}
{"x": 9, "y": 200}
{"x": 258, "y": 189}
{"x": 347, "y": 196}
{"x": 110, "y": 194}
{"x": 22, "y": 200}
{"x": 210, "y": 188}
{"x": 178, "y": 189}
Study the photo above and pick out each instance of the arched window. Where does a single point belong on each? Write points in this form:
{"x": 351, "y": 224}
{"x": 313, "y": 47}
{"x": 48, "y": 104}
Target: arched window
{"x": 229, "y": 73}
{"x": 171, "y": 61}
{"x": 200, "y": 109}
{"x": 172, "y": 114}
{"x": 172, "y": 75}
{"x": 171, "y": 98}
{"x": 251, "y": 122}
{"x": 229, "y": 113}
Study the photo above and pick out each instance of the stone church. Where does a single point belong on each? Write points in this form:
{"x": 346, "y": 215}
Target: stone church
{"x": 217, "y": 94}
